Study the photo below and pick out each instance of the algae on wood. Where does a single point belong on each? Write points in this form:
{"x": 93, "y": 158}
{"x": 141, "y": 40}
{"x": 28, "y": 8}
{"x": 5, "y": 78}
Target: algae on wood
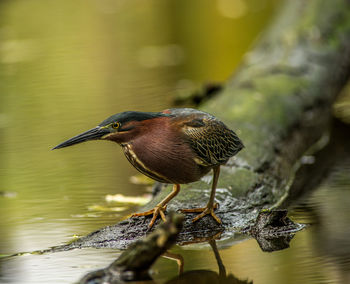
{"x": 279, "y": 103}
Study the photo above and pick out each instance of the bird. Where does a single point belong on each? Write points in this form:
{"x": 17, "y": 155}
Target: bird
{"x": 174, "y": 146}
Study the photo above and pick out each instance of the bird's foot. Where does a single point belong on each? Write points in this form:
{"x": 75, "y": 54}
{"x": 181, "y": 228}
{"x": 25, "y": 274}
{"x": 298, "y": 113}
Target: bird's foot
{"x": 204, "y": 211}
{"x": 157, "y": 210}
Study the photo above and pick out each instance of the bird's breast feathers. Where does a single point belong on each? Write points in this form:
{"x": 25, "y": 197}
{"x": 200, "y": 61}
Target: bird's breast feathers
{"x": 140, "y": 165}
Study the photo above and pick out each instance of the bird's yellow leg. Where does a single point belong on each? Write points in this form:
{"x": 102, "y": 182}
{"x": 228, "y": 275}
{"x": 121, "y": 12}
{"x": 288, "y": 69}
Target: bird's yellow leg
{"x": 160, "y": 207}
{"x": 211, "y": 206}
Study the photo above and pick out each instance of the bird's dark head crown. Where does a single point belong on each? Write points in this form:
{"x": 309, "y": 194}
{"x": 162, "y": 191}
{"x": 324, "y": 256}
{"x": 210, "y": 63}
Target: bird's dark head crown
{"x": 127, "y": 116}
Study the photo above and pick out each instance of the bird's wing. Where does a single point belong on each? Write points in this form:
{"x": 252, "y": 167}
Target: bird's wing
{"x": 211, "y": 140}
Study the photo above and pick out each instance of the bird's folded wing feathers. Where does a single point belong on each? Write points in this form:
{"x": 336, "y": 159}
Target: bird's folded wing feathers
{"x": 212, "y": 141}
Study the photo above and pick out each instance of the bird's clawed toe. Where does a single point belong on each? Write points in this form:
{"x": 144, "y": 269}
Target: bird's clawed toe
{"x": 204, "y": 211}
{"x": 157, "y": 210}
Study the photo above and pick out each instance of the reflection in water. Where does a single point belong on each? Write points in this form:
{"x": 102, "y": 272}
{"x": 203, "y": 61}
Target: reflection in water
{"x": 134, "y": 263}
{"x": 273, "y": 230}
{"x": 112, "y": 274}
{"x": 208, "y": 276}
{"x": 176, "y": 257}
{"x": 331, "y": 232}
{"x": 330, "y": 211}
{"x": 328, "y": 206}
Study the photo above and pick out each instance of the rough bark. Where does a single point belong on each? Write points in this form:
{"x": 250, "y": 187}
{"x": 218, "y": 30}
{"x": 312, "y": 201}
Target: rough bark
{"x": 279, "y": 102}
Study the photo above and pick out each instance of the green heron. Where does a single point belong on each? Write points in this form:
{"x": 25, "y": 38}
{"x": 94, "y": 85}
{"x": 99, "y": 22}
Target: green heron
{"x": 177, "y": 146}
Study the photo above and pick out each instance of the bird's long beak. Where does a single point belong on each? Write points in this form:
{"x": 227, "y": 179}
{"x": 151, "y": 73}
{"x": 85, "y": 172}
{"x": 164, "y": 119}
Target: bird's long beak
{"x": 92, "y": 134}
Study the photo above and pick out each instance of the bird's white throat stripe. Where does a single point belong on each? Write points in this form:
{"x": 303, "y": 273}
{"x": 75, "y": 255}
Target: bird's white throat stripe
{"x": 131, "y": 156}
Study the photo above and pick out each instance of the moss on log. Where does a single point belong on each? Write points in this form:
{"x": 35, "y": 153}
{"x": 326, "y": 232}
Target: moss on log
{"x": 279, "y": 102}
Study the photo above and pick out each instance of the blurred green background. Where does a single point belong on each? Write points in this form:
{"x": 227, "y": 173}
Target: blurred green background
{"x": 67, "y": 65}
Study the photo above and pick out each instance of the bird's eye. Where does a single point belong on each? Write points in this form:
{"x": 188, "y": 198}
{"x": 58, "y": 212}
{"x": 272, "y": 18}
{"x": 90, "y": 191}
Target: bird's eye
{"x": 116, "y": 125}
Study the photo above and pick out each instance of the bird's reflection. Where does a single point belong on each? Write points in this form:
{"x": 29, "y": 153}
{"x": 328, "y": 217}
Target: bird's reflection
{"x": 270, "y": 221}
{"x": 178, "y": 258}
{"x": 202, "y": 276}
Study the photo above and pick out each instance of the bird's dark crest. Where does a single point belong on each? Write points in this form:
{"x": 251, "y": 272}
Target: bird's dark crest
{"x": 126, "y": 116}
